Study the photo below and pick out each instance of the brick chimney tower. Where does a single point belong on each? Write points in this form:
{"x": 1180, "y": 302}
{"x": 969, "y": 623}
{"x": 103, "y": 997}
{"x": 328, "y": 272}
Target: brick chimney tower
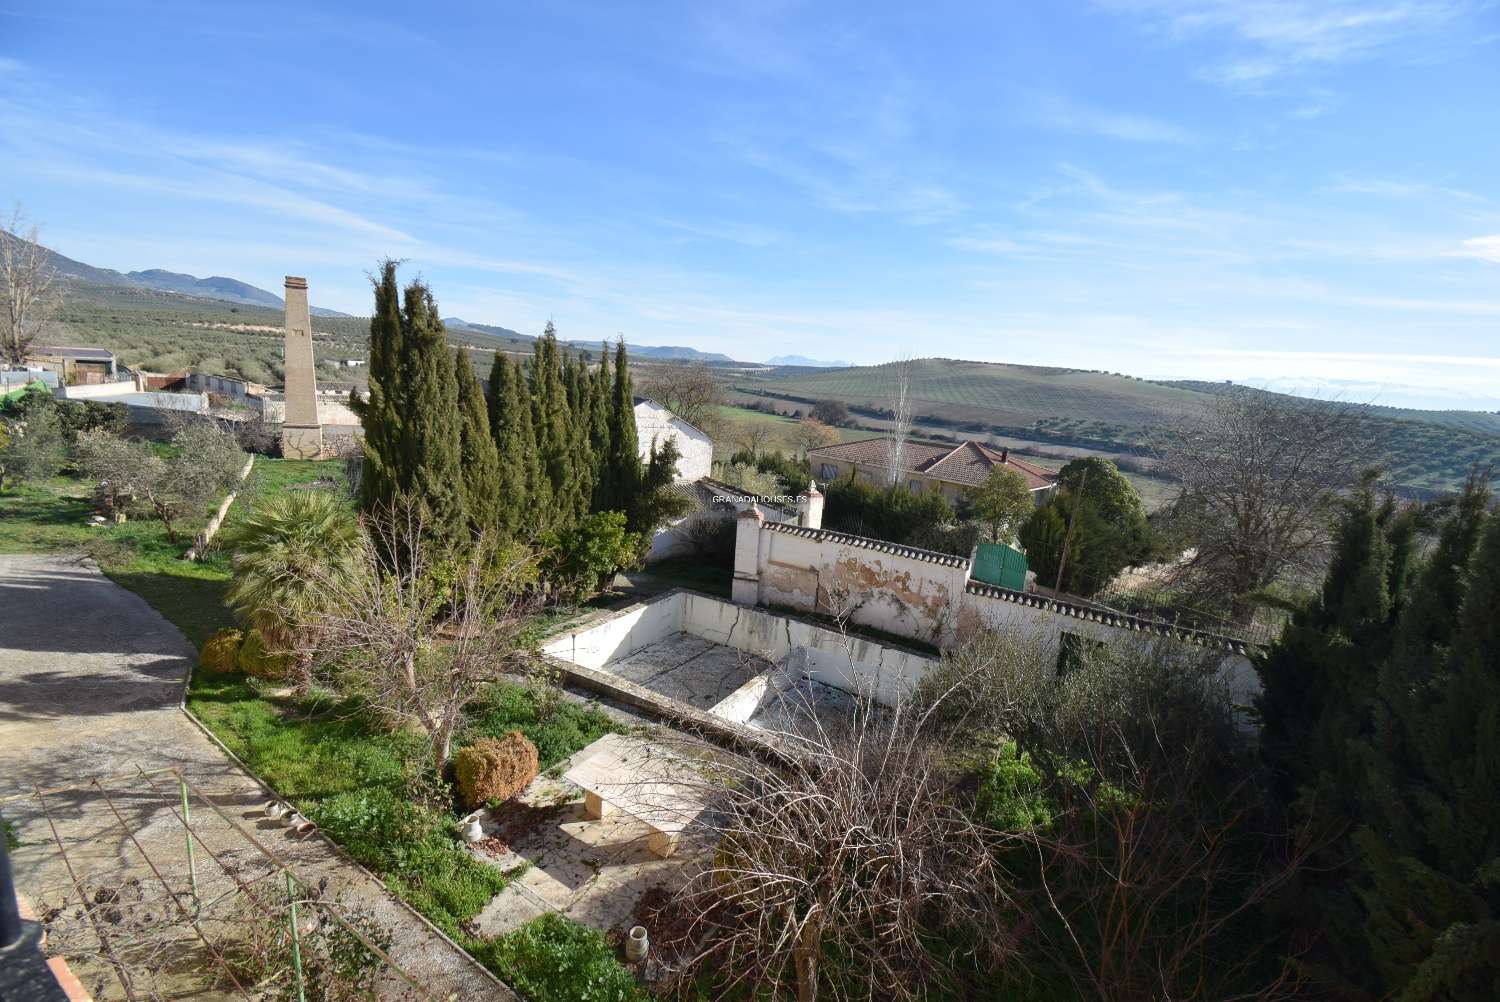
{"x": 301, "y": 432}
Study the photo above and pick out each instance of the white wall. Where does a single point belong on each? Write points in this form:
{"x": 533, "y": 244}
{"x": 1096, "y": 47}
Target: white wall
{"x": 928, "y": 598}
{"x": 654, "y": 423}
{"x": 850, "y": 663}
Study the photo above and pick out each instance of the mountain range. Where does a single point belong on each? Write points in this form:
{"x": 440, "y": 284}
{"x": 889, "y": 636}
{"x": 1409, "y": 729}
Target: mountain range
{"x": 228, "y": 290}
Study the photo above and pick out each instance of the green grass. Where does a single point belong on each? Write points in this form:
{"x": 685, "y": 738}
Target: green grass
{"x": 551, "y": 959}
{"x": 52, "y": 517}
{"x": 364, "y": 786}
{"x": 367, "y": 788}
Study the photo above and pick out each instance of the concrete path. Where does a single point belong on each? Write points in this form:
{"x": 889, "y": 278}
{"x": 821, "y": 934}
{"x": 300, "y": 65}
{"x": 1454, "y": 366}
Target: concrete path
{"x": 90, "y": 682}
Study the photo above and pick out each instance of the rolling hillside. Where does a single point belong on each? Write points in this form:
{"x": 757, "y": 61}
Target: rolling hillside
{"x": 1423, "y": 450}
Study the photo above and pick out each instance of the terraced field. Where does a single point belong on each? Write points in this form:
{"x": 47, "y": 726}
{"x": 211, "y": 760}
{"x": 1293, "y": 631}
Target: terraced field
{"x": 1013, "y": 395}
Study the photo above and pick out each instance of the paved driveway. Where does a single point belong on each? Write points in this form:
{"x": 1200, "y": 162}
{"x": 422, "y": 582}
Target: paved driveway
{"x": 90, "y": 681}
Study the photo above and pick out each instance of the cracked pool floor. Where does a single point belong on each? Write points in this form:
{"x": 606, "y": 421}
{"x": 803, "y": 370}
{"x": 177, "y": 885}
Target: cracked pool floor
{"x": 688, "y": 668}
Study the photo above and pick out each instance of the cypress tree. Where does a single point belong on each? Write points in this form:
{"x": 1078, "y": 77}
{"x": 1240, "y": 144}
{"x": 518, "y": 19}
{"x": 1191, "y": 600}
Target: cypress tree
{"x": 552, "y": 430}
{"x": 620, "y": 472}
{"x": 384, "y": 472}
{"x": 599, "y": 398}
{"x": 431, "y": 421}
{"x": 479, "y": 458}
{"x": 581, "y": 444}
{"x": 1431, "y": 858}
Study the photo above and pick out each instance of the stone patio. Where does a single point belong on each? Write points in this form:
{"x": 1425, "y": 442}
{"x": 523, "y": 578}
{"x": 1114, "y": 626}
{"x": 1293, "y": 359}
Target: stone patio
{"x": 684, "y": 667}
{"x": 593, "y": 871}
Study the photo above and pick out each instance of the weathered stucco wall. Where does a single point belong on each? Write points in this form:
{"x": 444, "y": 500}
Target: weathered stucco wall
{"x": 928, "y": 597}
{"x": 908, "y": 592}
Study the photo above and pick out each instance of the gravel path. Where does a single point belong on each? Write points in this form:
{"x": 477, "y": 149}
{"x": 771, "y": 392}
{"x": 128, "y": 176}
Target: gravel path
{"x": 90, "y": 683}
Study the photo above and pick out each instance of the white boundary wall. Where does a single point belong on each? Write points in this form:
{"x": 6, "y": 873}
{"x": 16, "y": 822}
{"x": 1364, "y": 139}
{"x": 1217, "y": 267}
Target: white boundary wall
{"x": 850, "y": 663}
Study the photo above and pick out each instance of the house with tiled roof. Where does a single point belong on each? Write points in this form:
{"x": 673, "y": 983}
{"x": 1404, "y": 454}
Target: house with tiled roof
{"x": 927, "y": 466}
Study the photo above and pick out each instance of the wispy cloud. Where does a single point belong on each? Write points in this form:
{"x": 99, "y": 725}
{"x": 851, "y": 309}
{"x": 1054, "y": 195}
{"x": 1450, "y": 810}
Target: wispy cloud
{"x": 1066, "y": 115}
{"x": 1480, "y": 248}
{"x": 1400, "y": 189}
{"x": 1267, "y": 38}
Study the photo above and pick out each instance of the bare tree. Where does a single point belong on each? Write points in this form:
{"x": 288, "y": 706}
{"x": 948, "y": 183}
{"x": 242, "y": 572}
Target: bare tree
{"x": 813, "y": 434}
{"x": 28, "y": 286}
{"x": 1257, "y": 477}
{"x": 690, "y": 390}
{"x": 421, "y": 631}
{"x": 752, "y": 436}
{"x": 900, "y": 429}
{"x": 835, "y": 864}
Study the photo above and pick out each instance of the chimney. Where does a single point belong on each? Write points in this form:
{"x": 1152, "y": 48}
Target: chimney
{"x": 1004, "y": 455}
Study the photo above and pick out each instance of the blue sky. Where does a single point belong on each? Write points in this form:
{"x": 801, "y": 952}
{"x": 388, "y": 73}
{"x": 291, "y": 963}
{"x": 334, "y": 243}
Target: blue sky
{"x": 1298, "y": 194}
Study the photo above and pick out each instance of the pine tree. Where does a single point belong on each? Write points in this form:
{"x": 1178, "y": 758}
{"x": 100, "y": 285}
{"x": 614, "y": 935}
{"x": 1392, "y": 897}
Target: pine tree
{"x": 479, "y": 459}
{"x": 620, "y": 471}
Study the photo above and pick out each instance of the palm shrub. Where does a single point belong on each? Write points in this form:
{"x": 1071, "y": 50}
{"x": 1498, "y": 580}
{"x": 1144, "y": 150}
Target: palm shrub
{"x": 286, "y": 552}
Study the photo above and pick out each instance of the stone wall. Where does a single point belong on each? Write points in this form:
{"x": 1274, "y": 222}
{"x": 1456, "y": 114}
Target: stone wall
{"x": 928, "y": 596}
{"x": 905, "y": 591}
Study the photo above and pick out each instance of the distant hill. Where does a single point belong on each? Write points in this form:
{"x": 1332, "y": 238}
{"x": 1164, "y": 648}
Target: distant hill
{"x": 665, "y": 353}
{"x": 1090, "y": 409}
{"x": 455, "y": 323}
{"x": 805, "y": 362}
{"x": 228, "y": 290}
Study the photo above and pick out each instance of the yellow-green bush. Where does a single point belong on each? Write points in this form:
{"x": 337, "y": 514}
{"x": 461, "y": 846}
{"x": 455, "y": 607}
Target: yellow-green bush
{"x": 493, "y": 769}
{"x": 221, "y": 650}
{"x": 257, "y": 662}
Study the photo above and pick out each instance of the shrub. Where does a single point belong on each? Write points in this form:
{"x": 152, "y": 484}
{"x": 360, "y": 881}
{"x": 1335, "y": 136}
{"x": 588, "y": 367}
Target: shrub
{"x": 221, "y": 651}
{"x": 257, "y": 662}
{"x": 495, "y": 770}
{"x": 552, "y": 959}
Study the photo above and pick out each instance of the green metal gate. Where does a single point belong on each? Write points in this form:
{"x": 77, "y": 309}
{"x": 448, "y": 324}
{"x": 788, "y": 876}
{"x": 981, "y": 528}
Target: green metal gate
{"x": 998, "y": 564}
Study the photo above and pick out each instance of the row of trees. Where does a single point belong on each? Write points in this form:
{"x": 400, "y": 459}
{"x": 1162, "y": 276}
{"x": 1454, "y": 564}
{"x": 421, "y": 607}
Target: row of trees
{"x": 1381, "y": 723}
{"x": 546, "y": 456}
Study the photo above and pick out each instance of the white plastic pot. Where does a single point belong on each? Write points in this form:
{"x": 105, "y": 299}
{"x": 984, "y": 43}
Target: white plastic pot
{"x": 472, "y": 831}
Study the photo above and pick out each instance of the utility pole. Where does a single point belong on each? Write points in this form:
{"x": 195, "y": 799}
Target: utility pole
{"x": 1062, "y": 563}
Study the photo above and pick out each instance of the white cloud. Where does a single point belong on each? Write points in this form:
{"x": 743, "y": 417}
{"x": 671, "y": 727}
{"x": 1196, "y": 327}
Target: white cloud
{"x": 1480, "y": 248}
{"x": 1266, "y": 38}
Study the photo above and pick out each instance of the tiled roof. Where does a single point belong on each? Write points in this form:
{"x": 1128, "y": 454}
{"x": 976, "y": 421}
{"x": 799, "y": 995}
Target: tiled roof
{"x": 966, "y": 464}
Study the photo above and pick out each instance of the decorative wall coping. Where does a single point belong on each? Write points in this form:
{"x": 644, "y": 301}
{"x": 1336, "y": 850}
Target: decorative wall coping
{"x": 1119, "y": 620}
{"x": 896, "y": 549}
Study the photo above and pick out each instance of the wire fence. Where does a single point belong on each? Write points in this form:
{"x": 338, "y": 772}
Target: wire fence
{"x": 152, "y": 892}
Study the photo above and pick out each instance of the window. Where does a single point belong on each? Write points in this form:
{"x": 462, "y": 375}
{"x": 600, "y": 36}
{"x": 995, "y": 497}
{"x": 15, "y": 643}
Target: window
{"x": 828, "y": 471}
{"x": 915, "y": 486}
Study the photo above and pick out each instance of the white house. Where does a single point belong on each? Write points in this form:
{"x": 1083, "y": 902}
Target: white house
{"x": 655, "y": 424}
